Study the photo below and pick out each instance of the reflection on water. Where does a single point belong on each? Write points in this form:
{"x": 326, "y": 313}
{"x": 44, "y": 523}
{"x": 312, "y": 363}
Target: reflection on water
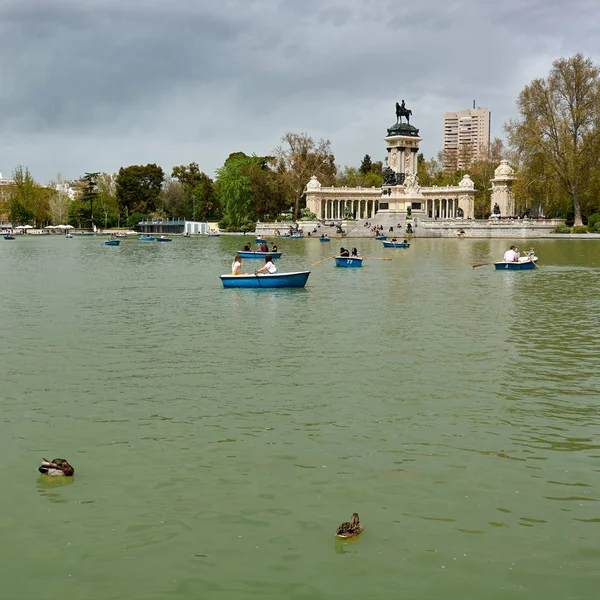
{"x": 221, "y": 435}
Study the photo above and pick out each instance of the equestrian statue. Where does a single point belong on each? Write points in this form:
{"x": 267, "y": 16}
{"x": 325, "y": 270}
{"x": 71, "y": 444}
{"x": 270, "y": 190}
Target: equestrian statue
{"x": 402, "y": 111}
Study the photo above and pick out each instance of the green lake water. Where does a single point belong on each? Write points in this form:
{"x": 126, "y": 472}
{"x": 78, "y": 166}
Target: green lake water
{"x": 220, "y": 436}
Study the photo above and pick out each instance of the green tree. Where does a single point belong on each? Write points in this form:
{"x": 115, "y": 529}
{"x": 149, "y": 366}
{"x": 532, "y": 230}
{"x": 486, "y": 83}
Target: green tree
{"x": 235, "y": 193}
{"x": 298, "y": 159}
{"x": 58, "y": 203}
{"x": 107, "y": 212}
{"x": 201, "y": 201}
{"x": 366, "y": 165}
{"x": 560, "y": 120}
{"x": 188, "y": 175}
{"x": 89, "y": 195}
{"x": 138, "y": 189}
{"x": 266, "y": 187}
{"x": 352, "y": 177}
{"x": 22, "y": 197}
{"x": 173, "y": 200}
{"x": 205, "y": 204}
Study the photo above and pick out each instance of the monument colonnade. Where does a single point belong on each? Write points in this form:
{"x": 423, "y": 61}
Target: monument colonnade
{"x": 336, "y": 203}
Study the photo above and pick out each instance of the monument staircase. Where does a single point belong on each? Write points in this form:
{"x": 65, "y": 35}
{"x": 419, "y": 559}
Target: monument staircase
{"x": 359, "y": 228}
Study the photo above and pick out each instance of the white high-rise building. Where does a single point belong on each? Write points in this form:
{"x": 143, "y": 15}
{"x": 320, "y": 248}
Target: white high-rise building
{"x": 466, "y": 137}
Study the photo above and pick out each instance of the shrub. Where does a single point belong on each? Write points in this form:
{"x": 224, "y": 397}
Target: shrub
{"x": 134, "y": 219}
{"x": 307, "y": 215}
{"x": 561, "y": 229}
{"x": 579, "y": 229}
{"x": 594, "y": 222}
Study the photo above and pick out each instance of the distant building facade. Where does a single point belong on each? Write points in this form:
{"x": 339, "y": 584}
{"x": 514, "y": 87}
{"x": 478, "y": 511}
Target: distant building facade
{"x": 466, "y": 137}
{"x": 4, "y": 183}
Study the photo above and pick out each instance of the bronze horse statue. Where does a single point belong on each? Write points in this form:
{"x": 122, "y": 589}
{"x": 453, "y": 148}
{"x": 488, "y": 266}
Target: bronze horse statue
{"x": 402, "y": 111}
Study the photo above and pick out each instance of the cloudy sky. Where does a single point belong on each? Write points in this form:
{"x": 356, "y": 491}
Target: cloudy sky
{"x": 93, "y": 85}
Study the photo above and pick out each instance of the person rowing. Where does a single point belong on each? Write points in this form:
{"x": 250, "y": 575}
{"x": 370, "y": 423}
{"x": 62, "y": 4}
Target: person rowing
{"x": 511, "y": 255}
{"x": 269, "y": 267}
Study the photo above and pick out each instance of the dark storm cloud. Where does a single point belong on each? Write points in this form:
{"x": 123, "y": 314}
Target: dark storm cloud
{"x": 97, "y": 84}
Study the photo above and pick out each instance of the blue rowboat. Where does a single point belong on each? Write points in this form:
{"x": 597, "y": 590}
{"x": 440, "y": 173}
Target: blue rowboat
{"x": 284, "y": 235}
{"x": 395, "y": 245}
{"x": 112, "y": 242}
{"x": 348, "y": 261}
{"x": 524, "y": 264}
{"x": 244, "y": 254}
{"x": 147, "y": 238}
{"x": 297, "y": 279}
{"x": 381, "y": 237}
{"x": 213, "y": 234}
{"x": 164, "y": 239}
{"x": 260, "y": 241}
{"x": 324, "y": 239}
{"x": 296, "y": 236}
{"x": 9, "y": 237}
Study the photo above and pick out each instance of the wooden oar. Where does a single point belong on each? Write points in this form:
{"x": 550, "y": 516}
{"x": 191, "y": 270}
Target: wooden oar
{"x": 377, "y": 258}
{"x": 483, "y": 264}
{"x": 322, "y": 261}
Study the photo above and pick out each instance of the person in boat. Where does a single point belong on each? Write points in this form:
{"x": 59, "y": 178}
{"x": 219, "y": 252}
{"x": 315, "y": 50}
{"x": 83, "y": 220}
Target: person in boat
{"x": 247, "y": 248}
{"x": 273, "y": 247}
{"x": 531, "y": 253}
{"x": 394, "y": 240}
{"x": 264, "y": 247}
{"x": 405, "y": 242}
{"x": 269, "y": 267}
{"x": 344, "y": 252}
{"x": 236, "y": 265}
{"x": 511, "y": 255}
{"x": 355, "y": 252}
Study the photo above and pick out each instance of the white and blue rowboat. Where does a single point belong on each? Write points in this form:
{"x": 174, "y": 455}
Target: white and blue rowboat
{"x": 213, "y": 234}
{"x": 395, "y": 245}
{"x": 284, "y": 235}
{"x": 381, "y": 237}
{"x": 112, "y": 242}
{"x": 164, "y": 239}
{"x": 296, "y": 279}
{"x": 147, "y": 238}
{"x": 324, "y": 239}
{"x": 9, "y": 237}
{"x": 260, "y": 241}
{"x": 348, "y": 261}
{"x": 524, "y": 264}
{"x": 296, "y": 236}
{"x": 246, "y": 254}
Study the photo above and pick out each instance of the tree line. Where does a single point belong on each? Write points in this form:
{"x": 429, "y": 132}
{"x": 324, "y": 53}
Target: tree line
{"x": 553, "y": 144}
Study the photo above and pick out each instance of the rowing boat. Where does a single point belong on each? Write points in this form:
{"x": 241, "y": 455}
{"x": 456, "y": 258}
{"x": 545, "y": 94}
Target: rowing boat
{"x": 277, "y": 280}
{"x": 352, "y": 262}
{"x": 523, "y": 264}
{"x": 246, "y": 254}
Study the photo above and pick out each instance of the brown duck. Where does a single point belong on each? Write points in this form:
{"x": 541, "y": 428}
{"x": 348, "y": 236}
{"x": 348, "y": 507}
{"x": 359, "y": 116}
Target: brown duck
{"x": 350, "y": 528}
{"x": 56, "y": 468}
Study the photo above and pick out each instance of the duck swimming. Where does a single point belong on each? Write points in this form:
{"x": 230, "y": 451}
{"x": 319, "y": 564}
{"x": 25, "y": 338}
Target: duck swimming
{"x": 350, "y": 528}
{"x": 56, "y": 468}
